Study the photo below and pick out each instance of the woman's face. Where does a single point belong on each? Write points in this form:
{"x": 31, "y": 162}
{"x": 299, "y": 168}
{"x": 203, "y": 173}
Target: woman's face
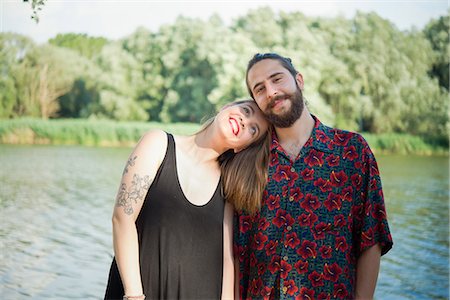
{"x": 242, "y": 124}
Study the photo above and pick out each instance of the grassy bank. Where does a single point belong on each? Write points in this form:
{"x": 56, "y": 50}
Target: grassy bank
{"x": 82, "y": 132}
{"x": 110, "y": 133}
{"x": 403, "y": 144}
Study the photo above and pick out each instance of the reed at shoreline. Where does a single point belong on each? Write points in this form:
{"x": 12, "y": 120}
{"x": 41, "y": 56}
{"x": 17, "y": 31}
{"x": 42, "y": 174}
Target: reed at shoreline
{"x": 27, "y": 131}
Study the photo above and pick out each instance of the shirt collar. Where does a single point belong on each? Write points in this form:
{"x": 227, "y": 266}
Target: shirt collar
{"x": 321, "y": 138}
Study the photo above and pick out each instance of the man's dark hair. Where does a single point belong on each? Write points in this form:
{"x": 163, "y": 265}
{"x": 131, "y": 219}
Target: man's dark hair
{"x": 285, "y": 62}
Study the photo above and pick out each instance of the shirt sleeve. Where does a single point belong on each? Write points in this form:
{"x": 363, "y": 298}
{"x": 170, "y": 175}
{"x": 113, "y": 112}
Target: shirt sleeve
{"x": 241, "y": 226}
{"x": 371, "y": 225}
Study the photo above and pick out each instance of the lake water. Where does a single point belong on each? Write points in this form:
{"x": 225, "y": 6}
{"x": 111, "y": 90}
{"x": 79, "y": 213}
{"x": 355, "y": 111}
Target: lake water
{"x": 55, "y": 216}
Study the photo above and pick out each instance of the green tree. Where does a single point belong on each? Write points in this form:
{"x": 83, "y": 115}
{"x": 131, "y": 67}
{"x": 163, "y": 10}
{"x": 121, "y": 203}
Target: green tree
{"x": 147, "y": 50}
{"x": 117, "y": 86}
{"x": 437, "y": 32}
{"x": 48, "y": 74}
{"x": 81, "y": 43}
{"x": 13, "y": 50}
{"x": 227, "y": 52}
{"x": 190, "y": 77}
{"x": 35, "y": 77}
{"x": 261, "y": 26}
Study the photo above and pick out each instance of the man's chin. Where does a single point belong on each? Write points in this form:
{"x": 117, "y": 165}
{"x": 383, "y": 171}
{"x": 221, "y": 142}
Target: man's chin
{"x": 282, "y": 121}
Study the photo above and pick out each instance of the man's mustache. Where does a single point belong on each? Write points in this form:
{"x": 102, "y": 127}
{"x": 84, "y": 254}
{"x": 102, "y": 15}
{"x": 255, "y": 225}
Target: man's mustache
{"x": 278, "y": 97}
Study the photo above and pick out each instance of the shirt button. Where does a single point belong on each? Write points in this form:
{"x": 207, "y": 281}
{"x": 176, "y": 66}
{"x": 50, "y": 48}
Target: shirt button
{"x": 285, "y": 258}
{"x": 289, "y": 228}
{"x": 285, "y": 289}
{"x": 292, "y": 169}
{"x": 291, "y": 198}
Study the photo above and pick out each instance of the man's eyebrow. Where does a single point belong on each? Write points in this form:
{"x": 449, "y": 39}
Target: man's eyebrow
{"x": 275, "y": 74}
{"x": 271, "y": 76}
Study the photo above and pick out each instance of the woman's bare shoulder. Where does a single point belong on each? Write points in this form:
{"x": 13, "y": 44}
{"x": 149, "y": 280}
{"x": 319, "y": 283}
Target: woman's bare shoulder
{"x": 151, "y": 148}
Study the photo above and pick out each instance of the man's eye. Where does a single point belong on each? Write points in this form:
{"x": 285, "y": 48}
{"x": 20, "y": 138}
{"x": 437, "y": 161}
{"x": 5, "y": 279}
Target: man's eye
{"x": 254, "y": 130}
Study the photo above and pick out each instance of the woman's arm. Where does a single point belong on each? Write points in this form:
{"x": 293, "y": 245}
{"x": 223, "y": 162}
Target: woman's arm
{"x": 228, "y": 260}
{"x": 137, "y": 177}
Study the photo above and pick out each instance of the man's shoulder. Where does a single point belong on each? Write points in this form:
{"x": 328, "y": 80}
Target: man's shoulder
{"x": 341, "y": 138}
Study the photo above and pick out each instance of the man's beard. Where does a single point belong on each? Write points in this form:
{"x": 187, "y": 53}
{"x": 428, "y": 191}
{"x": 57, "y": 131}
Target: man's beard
{"x": 293, "y": 114}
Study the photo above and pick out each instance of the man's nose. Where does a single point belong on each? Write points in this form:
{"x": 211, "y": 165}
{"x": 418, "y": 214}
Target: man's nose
{"x": 271, "y": 91}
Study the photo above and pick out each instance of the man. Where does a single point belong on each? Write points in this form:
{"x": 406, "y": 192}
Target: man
{"x": 322, "y": 226}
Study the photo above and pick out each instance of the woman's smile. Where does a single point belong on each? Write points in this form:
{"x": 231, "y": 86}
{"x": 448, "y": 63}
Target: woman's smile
{"x": 234, "y": 126}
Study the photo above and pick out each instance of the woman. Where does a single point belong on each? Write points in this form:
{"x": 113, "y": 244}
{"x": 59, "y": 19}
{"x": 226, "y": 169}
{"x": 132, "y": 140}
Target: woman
{"x": 172, "y": 229}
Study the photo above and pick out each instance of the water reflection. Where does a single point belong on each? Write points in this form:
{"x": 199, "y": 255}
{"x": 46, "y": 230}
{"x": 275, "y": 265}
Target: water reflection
{"x": 56, "y": 205}
{"x": 56, "y": 210}
{"x": 417, "y": 192}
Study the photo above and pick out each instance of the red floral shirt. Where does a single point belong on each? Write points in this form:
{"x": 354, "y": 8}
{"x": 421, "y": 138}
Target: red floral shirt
{"x": 319, "y": 212}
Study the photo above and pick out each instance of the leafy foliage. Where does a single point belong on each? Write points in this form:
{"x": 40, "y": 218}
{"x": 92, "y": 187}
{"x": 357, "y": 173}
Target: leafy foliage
{"x": 437, "y": 32}
{"x": 82, "y": 43}
{"x": 360, "y": 74}
{"x": 36, "y": 6}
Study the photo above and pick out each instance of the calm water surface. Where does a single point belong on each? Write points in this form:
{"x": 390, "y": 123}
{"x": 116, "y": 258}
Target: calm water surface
{"x": 55, "y": 216}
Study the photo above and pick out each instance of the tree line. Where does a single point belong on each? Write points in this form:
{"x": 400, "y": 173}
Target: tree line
{"x": 360, "y": 74}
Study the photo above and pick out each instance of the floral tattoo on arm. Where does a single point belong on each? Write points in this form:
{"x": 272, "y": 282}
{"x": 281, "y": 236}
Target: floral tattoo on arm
{"x": 131, "y": 161}
{"x": 132, "y": 194}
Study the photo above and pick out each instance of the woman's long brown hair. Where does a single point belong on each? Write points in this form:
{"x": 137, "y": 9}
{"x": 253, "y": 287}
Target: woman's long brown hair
{"x": 244, "y": 174}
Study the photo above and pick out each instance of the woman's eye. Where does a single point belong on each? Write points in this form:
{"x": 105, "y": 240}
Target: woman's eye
{"x": 246, "y": 110}
{"x": 253, "y": 130}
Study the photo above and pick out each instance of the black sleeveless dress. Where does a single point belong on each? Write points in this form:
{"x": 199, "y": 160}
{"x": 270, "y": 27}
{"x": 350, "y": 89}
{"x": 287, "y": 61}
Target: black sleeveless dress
{"x": 180, "y": 244}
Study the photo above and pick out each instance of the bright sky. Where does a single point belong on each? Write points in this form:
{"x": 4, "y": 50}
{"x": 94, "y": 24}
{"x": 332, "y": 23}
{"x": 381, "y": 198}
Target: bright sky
{"x": 114, "y": 19}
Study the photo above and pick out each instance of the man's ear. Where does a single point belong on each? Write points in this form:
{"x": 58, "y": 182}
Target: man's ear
{"x": 300, "y": 82}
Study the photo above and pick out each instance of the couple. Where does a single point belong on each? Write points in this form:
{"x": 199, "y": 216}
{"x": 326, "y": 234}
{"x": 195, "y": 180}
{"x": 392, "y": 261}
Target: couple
{"x": 310, "y": 221}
